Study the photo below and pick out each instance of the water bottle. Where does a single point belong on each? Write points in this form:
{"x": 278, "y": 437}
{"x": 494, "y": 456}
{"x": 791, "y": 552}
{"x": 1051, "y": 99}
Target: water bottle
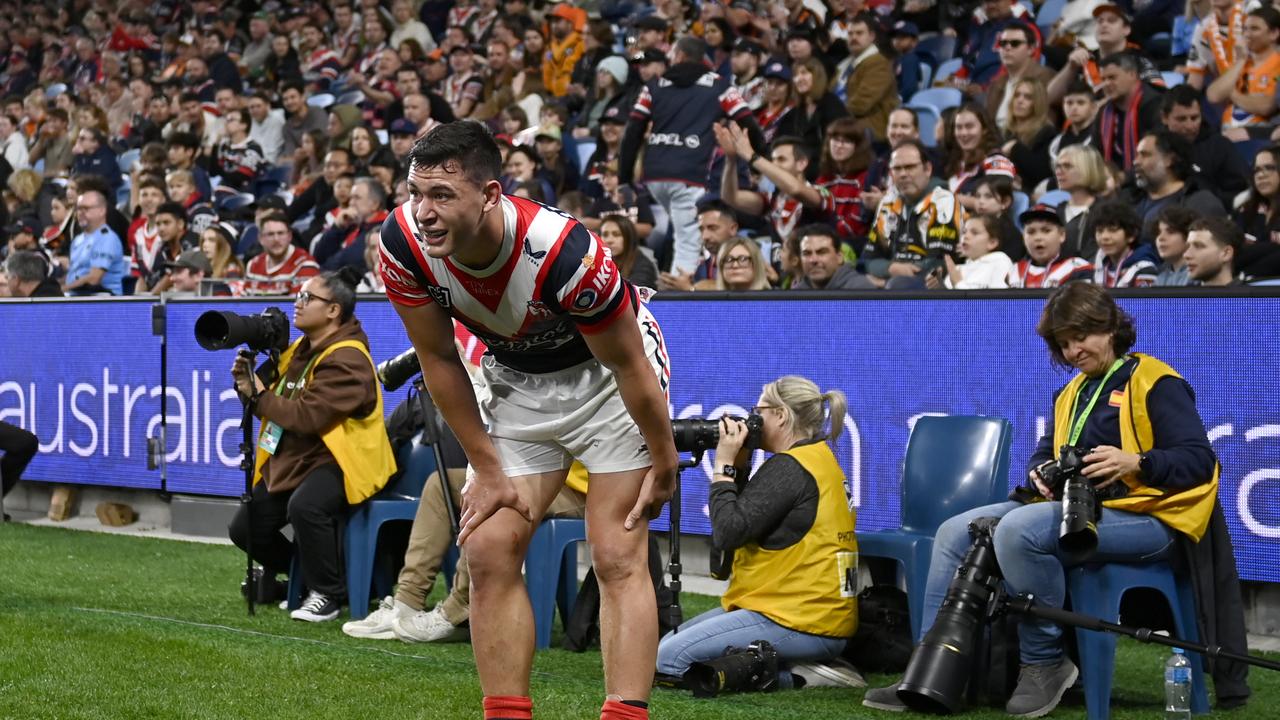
{"x": 1177, "y": 686}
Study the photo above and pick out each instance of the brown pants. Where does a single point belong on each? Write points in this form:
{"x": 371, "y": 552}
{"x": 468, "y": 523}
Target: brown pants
{"x": 429, "y": 541}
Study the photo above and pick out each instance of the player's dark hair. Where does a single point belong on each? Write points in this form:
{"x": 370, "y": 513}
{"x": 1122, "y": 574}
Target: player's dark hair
{"x": 462, "y": 146}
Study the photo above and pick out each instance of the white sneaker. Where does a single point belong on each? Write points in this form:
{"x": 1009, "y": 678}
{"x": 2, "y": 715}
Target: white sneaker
{"x": 317, "y": 608}
{"x": 427, "y": 626}
{"x": 377, "y": 624}
{"x": 832, "y": 673}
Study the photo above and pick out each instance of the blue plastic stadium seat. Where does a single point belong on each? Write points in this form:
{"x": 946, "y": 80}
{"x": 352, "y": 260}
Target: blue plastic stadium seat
{"x": 942, "y": 47}
{"x": 586, "y": 149}
{"x": 938, "y": 97}
{"x": 953, "y": 464}
{"x": 1020, "y": 204}
{"x": 928, "y": 117}
{"x": 1054, "y": 198}
{"x": 551, "y": 572}
{"x": 1096, "y": 590}
{"x": 1172, "y": 79}
{"x": 1048, "y": 14}
{"x": 946, "y": 70}
{"x": 397, "y": 501}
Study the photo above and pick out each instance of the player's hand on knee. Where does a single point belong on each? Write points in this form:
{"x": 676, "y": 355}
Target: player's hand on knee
{"x": 482, "y": 496}
{"x": 655, "y": 491}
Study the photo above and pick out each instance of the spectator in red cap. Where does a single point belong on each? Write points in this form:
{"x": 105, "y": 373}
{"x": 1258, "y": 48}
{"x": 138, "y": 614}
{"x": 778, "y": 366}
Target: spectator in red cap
{"x": 1113, "y": 30}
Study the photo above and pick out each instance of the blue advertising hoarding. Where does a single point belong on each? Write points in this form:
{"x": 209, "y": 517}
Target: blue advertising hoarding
{"x": 895, "y": 359}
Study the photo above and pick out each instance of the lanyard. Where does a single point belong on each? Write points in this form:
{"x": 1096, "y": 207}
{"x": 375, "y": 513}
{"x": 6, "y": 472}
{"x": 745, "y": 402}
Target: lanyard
{"x": 1077, "y": 426}
{"x": 298, "y": 382}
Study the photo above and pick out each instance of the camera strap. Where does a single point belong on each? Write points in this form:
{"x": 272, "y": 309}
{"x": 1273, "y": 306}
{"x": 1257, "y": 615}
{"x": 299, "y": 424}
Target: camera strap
{"x": 1077, "y": 425}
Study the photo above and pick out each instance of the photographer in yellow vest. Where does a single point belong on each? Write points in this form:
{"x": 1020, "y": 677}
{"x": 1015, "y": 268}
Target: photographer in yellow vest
{"x": 1145, "y": 452}
{"x": 322, "y": 447}
{"x": 792, "y": 534}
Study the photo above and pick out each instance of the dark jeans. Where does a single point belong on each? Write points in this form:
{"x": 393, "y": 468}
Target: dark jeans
{"x": 19, "y": 446}
{"x": 317, "y": 509}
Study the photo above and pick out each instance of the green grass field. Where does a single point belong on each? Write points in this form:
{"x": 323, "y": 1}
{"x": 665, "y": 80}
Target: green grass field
{"x": 106, "y": 626}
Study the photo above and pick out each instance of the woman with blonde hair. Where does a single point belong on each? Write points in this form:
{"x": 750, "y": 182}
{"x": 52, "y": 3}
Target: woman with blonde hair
{"x": 1029, "y": 133}
{"x": 217, "y": 244}
{"x": 740, "y": 266}
{"x": 1081, "y": 171}
{"x": 25, "y": 185}
{"x": 790, "y": 533}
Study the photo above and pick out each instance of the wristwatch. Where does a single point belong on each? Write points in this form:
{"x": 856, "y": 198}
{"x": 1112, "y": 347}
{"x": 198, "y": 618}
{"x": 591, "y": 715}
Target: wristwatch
{"x": 1145, "y": 466}
{"x": 729, "y": 471}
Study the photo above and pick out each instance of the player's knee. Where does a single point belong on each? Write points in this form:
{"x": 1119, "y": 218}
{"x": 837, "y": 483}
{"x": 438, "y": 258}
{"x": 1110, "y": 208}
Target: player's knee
{"x": 493, "y": 553}
{"x": 618, "y": 561}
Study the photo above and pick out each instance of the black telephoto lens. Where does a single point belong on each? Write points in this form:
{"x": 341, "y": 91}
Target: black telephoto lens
{"x": 1078, "y": 534}
{"x": 221, "y": 330}
{"x": 940, "y": 666}
{"x": 399, "y": 370}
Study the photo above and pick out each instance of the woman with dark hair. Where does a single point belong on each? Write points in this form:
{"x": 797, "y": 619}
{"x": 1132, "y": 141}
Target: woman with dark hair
{"x": 719, "y": 36}
{"x": 779, "y": 101}
{"x": 972, "y": 145}
{"x": 282, "y": 64}
{"x": 1146, "y": 456}
{"x": 846, "y": 155}
{"x": 817, "y": 108}
{"x": 524, "y": 166}
{"x": 308, "y": 160}
{"x": 620, "y": 235}
{"x": 1029, "y": 133}
{"x": 323, "y": 446}
{"x": 993, "y": 198}
{"x": 367, "y": 151}
{"x": 1260, "y": 214}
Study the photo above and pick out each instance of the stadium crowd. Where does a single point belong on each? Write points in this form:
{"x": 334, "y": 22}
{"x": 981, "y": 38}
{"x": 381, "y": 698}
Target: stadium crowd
{"x": 851, "y": 144}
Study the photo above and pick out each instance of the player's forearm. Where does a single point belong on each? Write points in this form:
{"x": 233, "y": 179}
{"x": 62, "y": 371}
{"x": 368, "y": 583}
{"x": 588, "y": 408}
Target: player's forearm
{"x": 450, "y": 388}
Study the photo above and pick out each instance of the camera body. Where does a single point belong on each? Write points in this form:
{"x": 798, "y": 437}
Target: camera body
{"x": 697, "y": 435}
{"x": 1081, "y": 504}
{"x": 753, "y": 668}
{"x": 265, "y": 332}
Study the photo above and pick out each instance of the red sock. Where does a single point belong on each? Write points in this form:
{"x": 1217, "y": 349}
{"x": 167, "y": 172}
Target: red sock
{"x": 508, "y": 707}
{"x": 615, "y": 710}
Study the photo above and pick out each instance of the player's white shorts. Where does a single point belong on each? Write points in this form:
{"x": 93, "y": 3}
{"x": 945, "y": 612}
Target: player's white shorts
{"x": 540, "y": 422}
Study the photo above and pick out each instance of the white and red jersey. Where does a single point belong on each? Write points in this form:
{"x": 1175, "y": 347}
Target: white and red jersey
{"x": 143, "y": 242}
{"x": 1060, "y": 271}
{"x": 264, "y": 277}
{"x": 552, "y": 281}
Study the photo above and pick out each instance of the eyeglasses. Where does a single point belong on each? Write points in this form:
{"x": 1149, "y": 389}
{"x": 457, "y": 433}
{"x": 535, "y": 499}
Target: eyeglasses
{"x": 737, "y": 261}
{"x": 306, "y": 296}
{"x": 1012, "y": 43}
{"x": 84, "y": 208}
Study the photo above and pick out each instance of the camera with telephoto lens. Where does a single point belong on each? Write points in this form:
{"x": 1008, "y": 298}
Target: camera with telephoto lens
{"x": 940, "y": 667}
{"x": 265, "y": 332}
{"x": 753, "y": 668}
{"x": 1081, "y": 506}
{"x": 398, "y": 370}
{"x": 697, "y": 435}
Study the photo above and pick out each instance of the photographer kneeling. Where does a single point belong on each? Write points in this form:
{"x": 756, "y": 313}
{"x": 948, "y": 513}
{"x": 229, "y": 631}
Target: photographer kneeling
{"x": 793, "y": 533}
{"x": 323, "y": 445}
{"x": 1146, "y": 455}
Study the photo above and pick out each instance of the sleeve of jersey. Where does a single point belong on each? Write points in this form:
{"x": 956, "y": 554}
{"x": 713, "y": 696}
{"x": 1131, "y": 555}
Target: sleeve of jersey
{"x": 643, "y": 107}
{"x": 732, "y": 104}
{"x": 586, "y": 283}
{"x": 401, "y": 283}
